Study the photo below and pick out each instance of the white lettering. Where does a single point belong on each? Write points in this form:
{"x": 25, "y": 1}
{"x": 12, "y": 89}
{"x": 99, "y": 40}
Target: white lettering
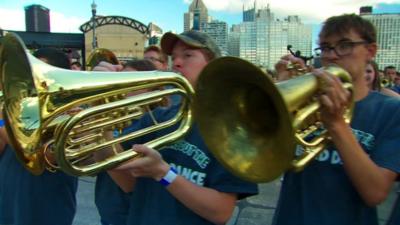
{"x": 200, "y": 179}
{"x": 186, "y": 173}
{"x": 195, "y": 177}
{"x": 324, "y": 156}
{"x": 335, "y": 159}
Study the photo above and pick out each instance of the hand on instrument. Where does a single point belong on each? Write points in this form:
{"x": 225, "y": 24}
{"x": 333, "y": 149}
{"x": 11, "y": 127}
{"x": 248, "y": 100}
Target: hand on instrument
{"x": 105, "y": 66}
{"x": 334, "y": 98}
{"x": 287, "y": 66}
{"x": 150, "y": 164}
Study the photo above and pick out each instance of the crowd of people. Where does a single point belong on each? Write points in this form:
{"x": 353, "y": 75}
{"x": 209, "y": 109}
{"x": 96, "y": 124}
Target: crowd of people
{"x": 185, "y": 184}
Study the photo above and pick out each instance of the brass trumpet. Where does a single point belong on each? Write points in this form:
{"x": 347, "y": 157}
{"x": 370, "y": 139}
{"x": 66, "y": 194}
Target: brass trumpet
{"x": 386, "y": 83}
{"x": 253, "y": 126}
{"x": 38, "y": 97}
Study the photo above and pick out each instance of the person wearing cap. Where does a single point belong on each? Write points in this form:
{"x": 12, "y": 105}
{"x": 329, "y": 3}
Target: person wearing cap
{"x": 183, "y": 183}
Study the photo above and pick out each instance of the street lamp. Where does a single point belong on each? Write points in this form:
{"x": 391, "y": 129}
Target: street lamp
{"x": 94, "y": 44}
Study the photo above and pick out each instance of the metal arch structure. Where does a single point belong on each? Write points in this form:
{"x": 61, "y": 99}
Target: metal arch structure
{"x": 119, "y": 20}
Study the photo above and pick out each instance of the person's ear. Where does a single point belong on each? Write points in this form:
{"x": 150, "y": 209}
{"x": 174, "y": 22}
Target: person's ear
{"x": 372, "y": 49}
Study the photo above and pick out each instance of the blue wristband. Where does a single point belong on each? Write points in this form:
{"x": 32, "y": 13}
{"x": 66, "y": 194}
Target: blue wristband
{"x": 169, "y": 177}
{"x": 1, "y": 123}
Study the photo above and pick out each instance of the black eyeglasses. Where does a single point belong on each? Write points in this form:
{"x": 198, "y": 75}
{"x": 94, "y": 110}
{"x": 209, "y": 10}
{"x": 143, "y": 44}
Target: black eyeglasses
{"x": 341, "y": 49}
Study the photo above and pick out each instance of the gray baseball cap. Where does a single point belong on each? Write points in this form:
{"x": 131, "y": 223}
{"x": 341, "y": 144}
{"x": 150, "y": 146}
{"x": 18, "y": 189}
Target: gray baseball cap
{"x": 195, "y": 39}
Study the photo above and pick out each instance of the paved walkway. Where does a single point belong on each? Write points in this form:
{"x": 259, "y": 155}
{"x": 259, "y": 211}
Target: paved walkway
{"x": 255, "y": 210}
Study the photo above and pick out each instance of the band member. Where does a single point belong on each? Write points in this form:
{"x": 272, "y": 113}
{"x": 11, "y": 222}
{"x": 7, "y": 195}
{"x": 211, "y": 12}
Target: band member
{"x": 182, "y": 183}
{"x": 112, "y": 203}
{"x": 347, "y": 180}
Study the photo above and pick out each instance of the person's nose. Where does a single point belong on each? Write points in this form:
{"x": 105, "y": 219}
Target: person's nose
{"x": 177, "y": 63}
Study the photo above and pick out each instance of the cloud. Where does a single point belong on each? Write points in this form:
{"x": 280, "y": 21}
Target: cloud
{"x": 62, "y": 23}
{"x": 311, "y": 11}
{"x": 12, "y": 19}
{"x": 58, "y": 21}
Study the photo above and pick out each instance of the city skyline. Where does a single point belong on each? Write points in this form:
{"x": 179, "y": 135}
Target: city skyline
{"x": 67, "y": 16}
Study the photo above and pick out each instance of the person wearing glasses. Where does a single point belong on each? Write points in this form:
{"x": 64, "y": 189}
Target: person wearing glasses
{"x": 154, "y": 54}
{"x": 357, "y": 170}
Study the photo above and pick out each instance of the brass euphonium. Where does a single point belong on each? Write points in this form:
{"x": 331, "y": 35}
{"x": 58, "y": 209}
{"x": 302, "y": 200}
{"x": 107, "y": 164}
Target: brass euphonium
{"x": 38, "y": 98}
{"x": 252, "y": 126}
{"x": 98, "y": 55}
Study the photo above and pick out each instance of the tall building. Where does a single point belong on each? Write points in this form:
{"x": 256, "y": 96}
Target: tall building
{"x": 155, "y": 33}
{"x": 37, "y": 18}
{"x": 388, "y": 36}
{"x": 249, "y": 15}
{"x": 234, "y": 41}
{"x": 197, "y": 17}
{"x": 218, "y": 30}
{"x": 264, "y": 40}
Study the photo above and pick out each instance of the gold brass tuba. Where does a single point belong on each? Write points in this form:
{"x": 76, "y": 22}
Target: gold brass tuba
{"x": 98, "y": 55}
{"x": 252, "y": 126}
{"x": 38, "y": 98}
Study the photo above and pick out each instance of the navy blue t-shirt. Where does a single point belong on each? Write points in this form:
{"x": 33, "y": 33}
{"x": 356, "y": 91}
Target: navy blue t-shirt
{"x": 111, "y": 201}
{"x": 26, "y": 199}
{"x": 396, "y": 88}
{"x": 323, "y": 194}
{"x": 151, "y": 203}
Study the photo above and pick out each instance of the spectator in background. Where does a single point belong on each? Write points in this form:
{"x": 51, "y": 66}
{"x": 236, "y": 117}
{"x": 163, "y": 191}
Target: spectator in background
{"x": 139, "y": 65}
{"x": 390, "y": 73}
{"x": 53, "y": 57}
{"x": 154, "y": 54}
{"x": 373, "y": 80}
{"x": 76, "y": 66}
{"x": 396, "y": 83}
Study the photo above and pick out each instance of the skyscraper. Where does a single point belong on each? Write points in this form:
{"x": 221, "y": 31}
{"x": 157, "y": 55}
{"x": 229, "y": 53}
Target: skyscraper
{"x": 218, "y": 30}
{"x": 37, "y": 18}
{"x": 249, "y": 15}
{"x": 234, "y": 41}
{"x": 197, "y": 17}
{"x": 388, "y": 36}
{"x": 155, "y": 33}
{"x": 264, "y": 40}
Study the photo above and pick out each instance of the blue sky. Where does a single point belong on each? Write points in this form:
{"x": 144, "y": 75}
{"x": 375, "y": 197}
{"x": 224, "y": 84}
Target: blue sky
{"x": 68, "y": 15}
